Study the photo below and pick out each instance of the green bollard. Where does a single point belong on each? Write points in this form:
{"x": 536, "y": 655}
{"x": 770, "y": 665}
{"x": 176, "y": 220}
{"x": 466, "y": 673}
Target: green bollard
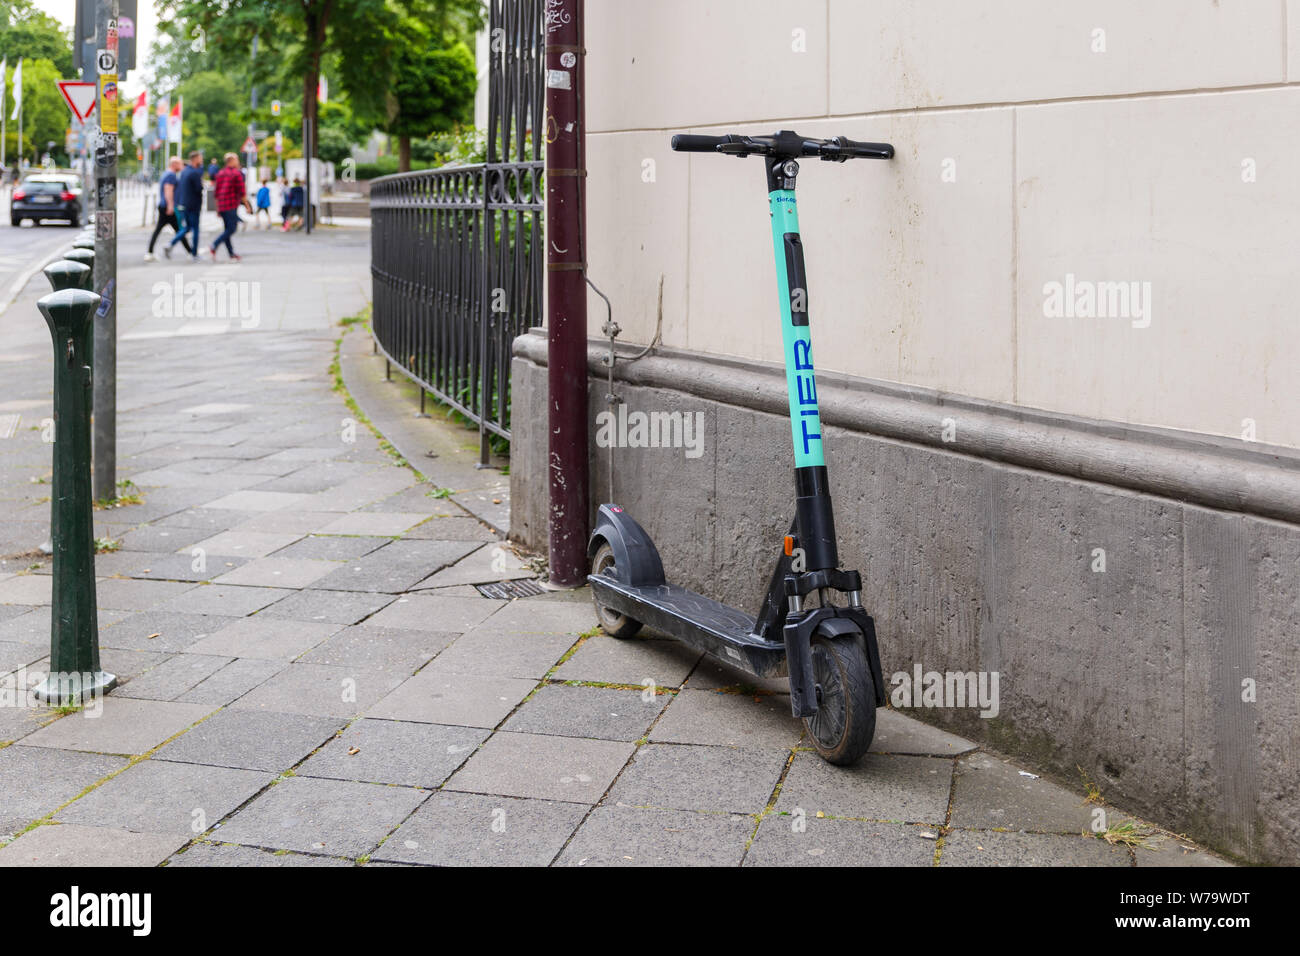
{"x": 85, "y": 242}
{"x": 68, "y": 274}
{"x": 75, "y": 673}
{"x": 84, "y": 256}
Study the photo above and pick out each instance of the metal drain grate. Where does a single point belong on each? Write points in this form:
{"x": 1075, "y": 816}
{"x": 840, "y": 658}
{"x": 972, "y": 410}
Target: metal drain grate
{"x": 509, "y": 590}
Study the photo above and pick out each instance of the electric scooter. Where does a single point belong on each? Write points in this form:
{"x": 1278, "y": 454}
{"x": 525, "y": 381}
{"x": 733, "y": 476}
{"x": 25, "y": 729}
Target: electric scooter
{"x": 828, "y": 651}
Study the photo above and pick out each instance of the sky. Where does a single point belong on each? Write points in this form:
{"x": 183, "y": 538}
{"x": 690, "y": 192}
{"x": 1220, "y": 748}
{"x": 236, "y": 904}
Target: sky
{"x": 65, "y": 11}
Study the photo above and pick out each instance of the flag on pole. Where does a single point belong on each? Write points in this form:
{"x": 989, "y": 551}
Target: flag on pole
{"x": 140, "y": 115}
{"x": 161, "y": 109}
{"x": 18, "y": 89}
{"x": 4, "y": 82}
{"x": 174, "y": 123}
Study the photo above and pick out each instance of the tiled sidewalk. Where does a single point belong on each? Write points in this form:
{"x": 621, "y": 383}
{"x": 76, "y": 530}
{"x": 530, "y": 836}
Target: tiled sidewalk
{"x": 310, "y": 677}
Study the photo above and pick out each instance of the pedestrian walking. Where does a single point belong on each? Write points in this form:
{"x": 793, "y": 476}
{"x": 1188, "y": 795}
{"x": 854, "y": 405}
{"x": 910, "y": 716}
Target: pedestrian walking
{"x": 296, "y": 200}
{"x": 230, "y": 193}
{"x": 263, "y": 203}
{"x": 167, "y": 208}
{"x": 189, "y": 205}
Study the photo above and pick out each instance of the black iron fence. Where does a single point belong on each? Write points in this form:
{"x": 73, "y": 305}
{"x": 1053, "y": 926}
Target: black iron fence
{"x": 456, "y": 253}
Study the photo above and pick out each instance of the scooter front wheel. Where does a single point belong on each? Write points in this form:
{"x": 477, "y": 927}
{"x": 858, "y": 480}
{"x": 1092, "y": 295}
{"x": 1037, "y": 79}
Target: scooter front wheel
{"x": 845, "y": 721}
{"x": 611, "y": 622}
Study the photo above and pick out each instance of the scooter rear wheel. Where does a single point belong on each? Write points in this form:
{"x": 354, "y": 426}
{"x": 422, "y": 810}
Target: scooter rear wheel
{"x": 611, "y": 622}
{"x": 845, "y": 721}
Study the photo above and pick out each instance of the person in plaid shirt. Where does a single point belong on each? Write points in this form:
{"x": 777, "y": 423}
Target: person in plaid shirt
{"x": 230, "y": 193}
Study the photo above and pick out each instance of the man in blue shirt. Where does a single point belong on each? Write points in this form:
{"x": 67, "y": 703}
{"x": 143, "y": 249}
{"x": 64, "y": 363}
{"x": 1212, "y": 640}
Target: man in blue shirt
{"x": 189, "y": 205}
{"x": 167, "y": 206}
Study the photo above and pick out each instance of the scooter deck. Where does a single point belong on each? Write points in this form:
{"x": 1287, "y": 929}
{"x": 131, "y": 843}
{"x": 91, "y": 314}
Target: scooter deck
{"x": 694, "y": 619}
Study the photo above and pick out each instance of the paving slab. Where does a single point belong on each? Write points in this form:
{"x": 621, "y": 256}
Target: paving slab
{"x": 387, "y": 524}
{"x": 687, "y": 777}
{"x": 397, "y": 752}
{"x": 162, "y": 538}
{"x": 364, "y": 646}
{"x": 149, "y": 565}
{"x": 230, "y": 854}
{"x": 168, "y": 632}
{"x": 226, "y": 599}
{"x": 487, "y": 563}
{"x": 505, "y": 655}
{"x": 172, "y": 677}
{"x": 259, "y": 500}
{"x": 14, "y": 655}
{"x": 244, "y": 544}
{"x": 549, "y": 768}
{"x": 439, "y": 696}
{"x": 36, "y": 781}
{"x": 452, "y": 528}
{"x": 264, "y": 637}
{"x": 123, "y": 726}
{"x": 436, "y": 612}
{"x": 788, "y": 841}
{"x": 900, "y": 734}
{"x": 26, "y": 715}
{"x": 129, "y": 595}
{"x": 712, "y": 674}
{"x": 729, "y": 720}
{"x": 990, "y": 848}
{"x": 465, "y": 829}
{"x": 610, "y": 660}
{"x": 395, "y": 567}
{"x": 280, "y": 572}
{"x": 314, "y": 815}
{"x": 335, "y": 607}
{"x": 332, "y": 547}
{"x": 895, "y": 788}
{"x": 544, "y": 614}
{"x": 252, "y": 740}
{"x": 29, "y": 589}
{"x": 321, "y": 690}
{"x": 286, "y": 522}
{"x": 624, "y": 836}
{"x": 991, "y": 793}
{"x": 232, "y": 682}
{"x": 1172, "y": 851}
{"x": 156, "y": 796}
{"x": 69, "y": 845}
{"x": 597, "y": 712}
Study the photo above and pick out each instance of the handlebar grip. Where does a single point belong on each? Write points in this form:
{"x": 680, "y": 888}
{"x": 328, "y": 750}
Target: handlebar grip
{"x": 691, "y": 143}
{"x": 864, "y": 150}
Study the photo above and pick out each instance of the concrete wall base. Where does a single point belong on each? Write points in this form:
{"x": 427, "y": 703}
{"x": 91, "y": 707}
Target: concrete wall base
{"x": 1135, "y": 589}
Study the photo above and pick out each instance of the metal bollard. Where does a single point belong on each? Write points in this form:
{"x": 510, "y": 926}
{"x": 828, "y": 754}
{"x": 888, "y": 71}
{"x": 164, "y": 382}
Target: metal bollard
{"x": 85, "y": 242}
{"x": 84, "y": 256}
{"x": 74, "y": 625}
{"x": 68, "y": 274}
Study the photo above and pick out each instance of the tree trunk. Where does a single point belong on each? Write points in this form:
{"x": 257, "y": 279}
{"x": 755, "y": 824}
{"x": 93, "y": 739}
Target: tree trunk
{"x": 403, "y": 154}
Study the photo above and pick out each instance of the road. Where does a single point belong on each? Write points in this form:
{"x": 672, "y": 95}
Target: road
{"x": 25, "y": 247}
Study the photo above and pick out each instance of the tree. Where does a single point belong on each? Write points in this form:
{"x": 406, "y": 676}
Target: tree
{"x": 45, "y": 115}
{"x": 432, "y": 92}
{"x": 333, "y": 146}
{"x": 211, "y": 114}
{"x": 29, "y": 33}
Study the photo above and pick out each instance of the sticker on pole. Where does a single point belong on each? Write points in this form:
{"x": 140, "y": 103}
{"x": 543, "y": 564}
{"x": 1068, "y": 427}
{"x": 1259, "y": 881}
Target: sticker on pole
{"x": 105, "y": 224}
{"x": 106, "y": 60}
{"x": 108, "y": 103}
{"x": 80, "y": 98}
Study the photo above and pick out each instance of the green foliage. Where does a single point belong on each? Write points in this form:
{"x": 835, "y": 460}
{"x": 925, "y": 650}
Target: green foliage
{"x": 332, "y": 145}
{"x": 433, "y": 90}
{"x": 45, "y": 115}
{"x": 29, "y": 33}
{"x": 212, "y": 123}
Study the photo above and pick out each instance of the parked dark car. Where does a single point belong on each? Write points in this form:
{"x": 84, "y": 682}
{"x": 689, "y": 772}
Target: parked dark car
{"x": 45, "y": 197}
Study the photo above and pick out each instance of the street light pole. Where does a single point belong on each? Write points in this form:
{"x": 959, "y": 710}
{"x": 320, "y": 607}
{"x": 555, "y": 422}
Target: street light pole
{"x": 105, "y": 348}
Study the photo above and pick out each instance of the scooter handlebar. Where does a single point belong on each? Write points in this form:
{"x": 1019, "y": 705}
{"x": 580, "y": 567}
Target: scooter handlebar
{"x": 841, "y": 148}
{"x": 691, "y": 143}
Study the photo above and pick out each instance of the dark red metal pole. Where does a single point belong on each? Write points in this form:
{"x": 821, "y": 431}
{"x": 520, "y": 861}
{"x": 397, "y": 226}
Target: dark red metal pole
{"x": 566, "y": 289}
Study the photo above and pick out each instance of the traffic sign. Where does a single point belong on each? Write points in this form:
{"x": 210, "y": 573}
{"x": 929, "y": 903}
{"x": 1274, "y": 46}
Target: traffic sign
{"x": 275, "y": 107}
{"x": 279, "y": 141}
{"x": 249, "y": 146}
{"x": 80, "y": 97}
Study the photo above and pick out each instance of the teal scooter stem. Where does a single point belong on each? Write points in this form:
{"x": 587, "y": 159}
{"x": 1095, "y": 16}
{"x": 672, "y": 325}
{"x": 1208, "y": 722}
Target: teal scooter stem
{"x": 828, "y": 651}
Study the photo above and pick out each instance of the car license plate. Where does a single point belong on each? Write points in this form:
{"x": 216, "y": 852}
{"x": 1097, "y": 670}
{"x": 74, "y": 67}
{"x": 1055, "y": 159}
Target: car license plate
{"x": 43, "y": 199}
